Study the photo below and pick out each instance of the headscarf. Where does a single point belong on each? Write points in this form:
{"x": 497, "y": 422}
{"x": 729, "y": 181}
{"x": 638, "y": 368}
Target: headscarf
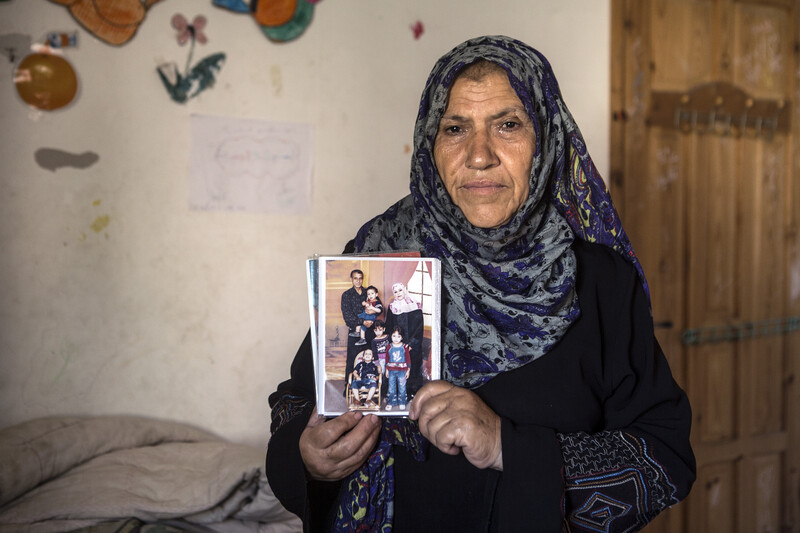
{"x": 508, "y": 292}
{"x": 405, "y": 304}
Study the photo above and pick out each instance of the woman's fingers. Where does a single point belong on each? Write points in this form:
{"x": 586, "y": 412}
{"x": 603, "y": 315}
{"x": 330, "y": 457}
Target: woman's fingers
{"x": 429, "y": 401}
{"x": 455, "y": 419}
{"x": 353, "y": 441}
{"x": 429, "y": 390}
{"x": 477, "y": 435}
{"x": 326, "y": 432}
{"x": 350, "y": 452}
{"x": 332, "y": 449}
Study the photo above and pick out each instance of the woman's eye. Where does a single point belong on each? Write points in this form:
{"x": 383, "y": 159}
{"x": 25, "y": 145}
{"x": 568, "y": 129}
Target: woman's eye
{"x": 452, "y": 130}
{"x": 510, "y": 124}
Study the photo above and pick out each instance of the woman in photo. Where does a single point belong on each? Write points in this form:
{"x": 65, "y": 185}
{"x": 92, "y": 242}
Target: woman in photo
{"x": 405, "y": 312}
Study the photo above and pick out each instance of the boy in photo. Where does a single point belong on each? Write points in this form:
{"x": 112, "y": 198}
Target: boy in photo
{"x": 380, "y": 344}
{"x": 365, "y": 374}
{"x": 372, "y": 308}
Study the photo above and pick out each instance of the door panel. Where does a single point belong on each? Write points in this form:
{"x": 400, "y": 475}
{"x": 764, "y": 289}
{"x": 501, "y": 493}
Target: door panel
{"x": 763, "y": 48}
{"x": 712, "y": 205}
{"x": 715, "y": 505}
{"x": 688, "y": 60}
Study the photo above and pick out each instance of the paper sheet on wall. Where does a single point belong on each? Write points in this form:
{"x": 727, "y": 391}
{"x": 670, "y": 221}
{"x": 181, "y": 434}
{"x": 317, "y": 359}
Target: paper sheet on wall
{"x": 250, "y": 165}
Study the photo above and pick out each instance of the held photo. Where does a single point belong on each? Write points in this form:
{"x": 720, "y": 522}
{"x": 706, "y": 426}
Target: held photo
{"x": 378, "y": 332}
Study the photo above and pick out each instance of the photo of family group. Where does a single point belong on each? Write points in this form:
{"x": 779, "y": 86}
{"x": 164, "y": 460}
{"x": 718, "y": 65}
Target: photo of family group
{"x": 378, "y": 332}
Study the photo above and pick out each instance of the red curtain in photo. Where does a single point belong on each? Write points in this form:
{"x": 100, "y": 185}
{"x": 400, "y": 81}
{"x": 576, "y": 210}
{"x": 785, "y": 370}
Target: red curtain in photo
{"x": 396, "y": 271}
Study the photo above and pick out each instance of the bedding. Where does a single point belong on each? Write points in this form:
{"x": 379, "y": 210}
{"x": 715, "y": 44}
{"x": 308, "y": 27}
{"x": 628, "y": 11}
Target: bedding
{"x": 127, "y": 473}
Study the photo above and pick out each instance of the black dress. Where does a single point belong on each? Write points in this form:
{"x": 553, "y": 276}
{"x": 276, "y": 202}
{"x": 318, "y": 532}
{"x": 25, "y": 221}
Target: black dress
{"x": 595, "y": 434}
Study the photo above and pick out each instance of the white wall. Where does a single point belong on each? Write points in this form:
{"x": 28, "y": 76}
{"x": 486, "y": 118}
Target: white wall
{"x": 191, "y": 315}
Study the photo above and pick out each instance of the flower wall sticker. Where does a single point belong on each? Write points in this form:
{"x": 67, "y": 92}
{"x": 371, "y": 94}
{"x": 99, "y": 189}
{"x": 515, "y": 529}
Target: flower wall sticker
{"x": 194, "y": 79}
{"x": 279, "y": 20}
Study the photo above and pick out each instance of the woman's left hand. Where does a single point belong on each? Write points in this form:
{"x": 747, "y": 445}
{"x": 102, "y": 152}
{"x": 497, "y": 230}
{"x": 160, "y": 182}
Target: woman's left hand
{"x": 456, "y": 420}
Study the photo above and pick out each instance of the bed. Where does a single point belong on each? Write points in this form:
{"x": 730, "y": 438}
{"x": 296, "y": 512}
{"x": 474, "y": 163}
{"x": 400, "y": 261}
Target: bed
{"x": 132, "y": 474}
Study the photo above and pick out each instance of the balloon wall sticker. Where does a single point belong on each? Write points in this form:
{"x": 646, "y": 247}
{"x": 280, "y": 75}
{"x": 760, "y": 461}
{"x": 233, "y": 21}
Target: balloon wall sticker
{"x": 280, "y": 20}
{"x": 194, "y": 79}
{"x": 44, "y": 79}
{"x": 112, "y": 21}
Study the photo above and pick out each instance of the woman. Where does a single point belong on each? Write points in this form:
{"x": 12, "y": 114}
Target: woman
{"x": 557, "y": 408}
{"x": 405, "y": 312}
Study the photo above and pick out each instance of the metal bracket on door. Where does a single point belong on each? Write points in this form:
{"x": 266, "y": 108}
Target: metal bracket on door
{"x": 742, "y": 331}
{"x": 721, "y": 109}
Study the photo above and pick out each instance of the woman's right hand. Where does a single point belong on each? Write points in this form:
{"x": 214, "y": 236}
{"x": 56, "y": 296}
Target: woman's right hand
{"x": 333, "y": 449}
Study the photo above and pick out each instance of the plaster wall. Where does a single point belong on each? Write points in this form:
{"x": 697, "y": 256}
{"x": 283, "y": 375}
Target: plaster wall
{"x": 195, "y": 315}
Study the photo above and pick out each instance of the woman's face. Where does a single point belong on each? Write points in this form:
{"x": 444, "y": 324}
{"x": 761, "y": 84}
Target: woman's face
{"x": 399, "y": 293}
{"x": 484, "y": 149}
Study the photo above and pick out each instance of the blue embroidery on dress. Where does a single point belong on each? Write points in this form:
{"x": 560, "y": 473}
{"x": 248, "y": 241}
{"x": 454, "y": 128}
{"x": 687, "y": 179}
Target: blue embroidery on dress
{"x": 599, "y": 512}
{"x": 612, "y": 467}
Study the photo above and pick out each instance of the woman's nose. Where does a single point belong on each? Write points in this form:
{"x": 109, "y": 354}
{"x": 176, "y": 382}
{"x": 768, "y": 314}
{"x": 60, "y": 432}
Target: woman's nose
{"x": 481, "y": 154}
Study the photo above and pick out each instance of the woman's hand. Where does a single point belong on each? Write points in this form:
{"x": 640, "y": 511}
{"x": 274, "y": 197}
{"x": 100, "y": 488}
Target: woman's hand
{"x": 456, "y": 420}
{"x": 333, "y": 449}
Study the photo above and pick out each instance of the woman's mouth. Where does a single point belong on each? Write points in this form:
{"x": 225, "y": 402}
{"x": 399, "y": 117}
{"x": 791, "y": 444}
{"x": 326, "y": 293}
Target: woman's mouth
{"x": 482, "y": 187}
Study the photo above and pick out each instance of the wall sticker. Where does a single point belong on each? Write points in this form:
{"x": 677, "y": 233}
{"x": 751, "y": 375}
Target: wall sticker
{"x": 112, "y": 21}
{"x": 182, "y": 86}
{"x": 279, "y": 20}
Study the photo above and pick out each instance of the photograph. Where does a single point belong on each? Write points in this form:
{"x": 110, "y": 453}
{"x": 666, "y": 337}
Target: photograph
{"x": 378, "y": 330}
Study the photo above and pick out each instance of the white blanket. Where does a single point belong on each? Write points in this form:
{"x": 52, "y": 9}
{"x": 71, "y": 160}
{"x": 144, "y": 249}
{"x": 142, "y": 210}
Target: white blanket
{"x": 66, "y": 473}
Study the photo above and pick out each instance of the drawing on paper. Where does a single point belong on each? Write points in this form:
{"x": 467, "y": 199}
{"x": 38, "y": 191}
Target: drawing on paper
{"x": 250, "y": 165}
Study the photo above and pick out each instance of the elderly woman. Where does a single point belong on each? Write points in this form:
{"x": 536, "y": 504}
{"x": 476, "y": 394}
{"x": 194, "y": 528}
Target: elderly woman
{"x": 557, "y": 409}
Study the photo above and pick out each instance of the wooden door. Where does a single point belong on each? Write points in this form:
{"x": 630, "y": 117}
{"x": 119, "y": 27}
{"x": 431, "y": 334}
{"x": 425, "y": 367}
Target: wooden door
{"x": 708, "y": 187}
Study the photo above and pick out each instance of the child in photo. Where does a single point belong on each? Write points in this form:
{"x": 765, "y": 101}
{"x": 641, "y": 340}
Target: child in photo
{"x": 380, "y": 344}
{"x": 365, "y": 374}
{"x": 398, "y": 360}
{"x": 372, "y": 308}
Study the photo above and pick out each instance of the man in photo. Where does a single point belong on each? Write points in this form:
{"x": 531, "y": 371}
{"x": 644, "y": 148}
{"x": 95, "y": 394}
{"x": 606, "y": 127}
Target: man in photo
{"x": 352, "y": 306}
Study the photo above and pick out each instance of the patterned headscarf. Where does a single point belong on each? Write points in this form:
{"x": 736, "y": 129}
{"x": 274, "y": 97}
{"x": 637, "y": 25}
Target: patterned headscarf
{"x": 508, "y": 292}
